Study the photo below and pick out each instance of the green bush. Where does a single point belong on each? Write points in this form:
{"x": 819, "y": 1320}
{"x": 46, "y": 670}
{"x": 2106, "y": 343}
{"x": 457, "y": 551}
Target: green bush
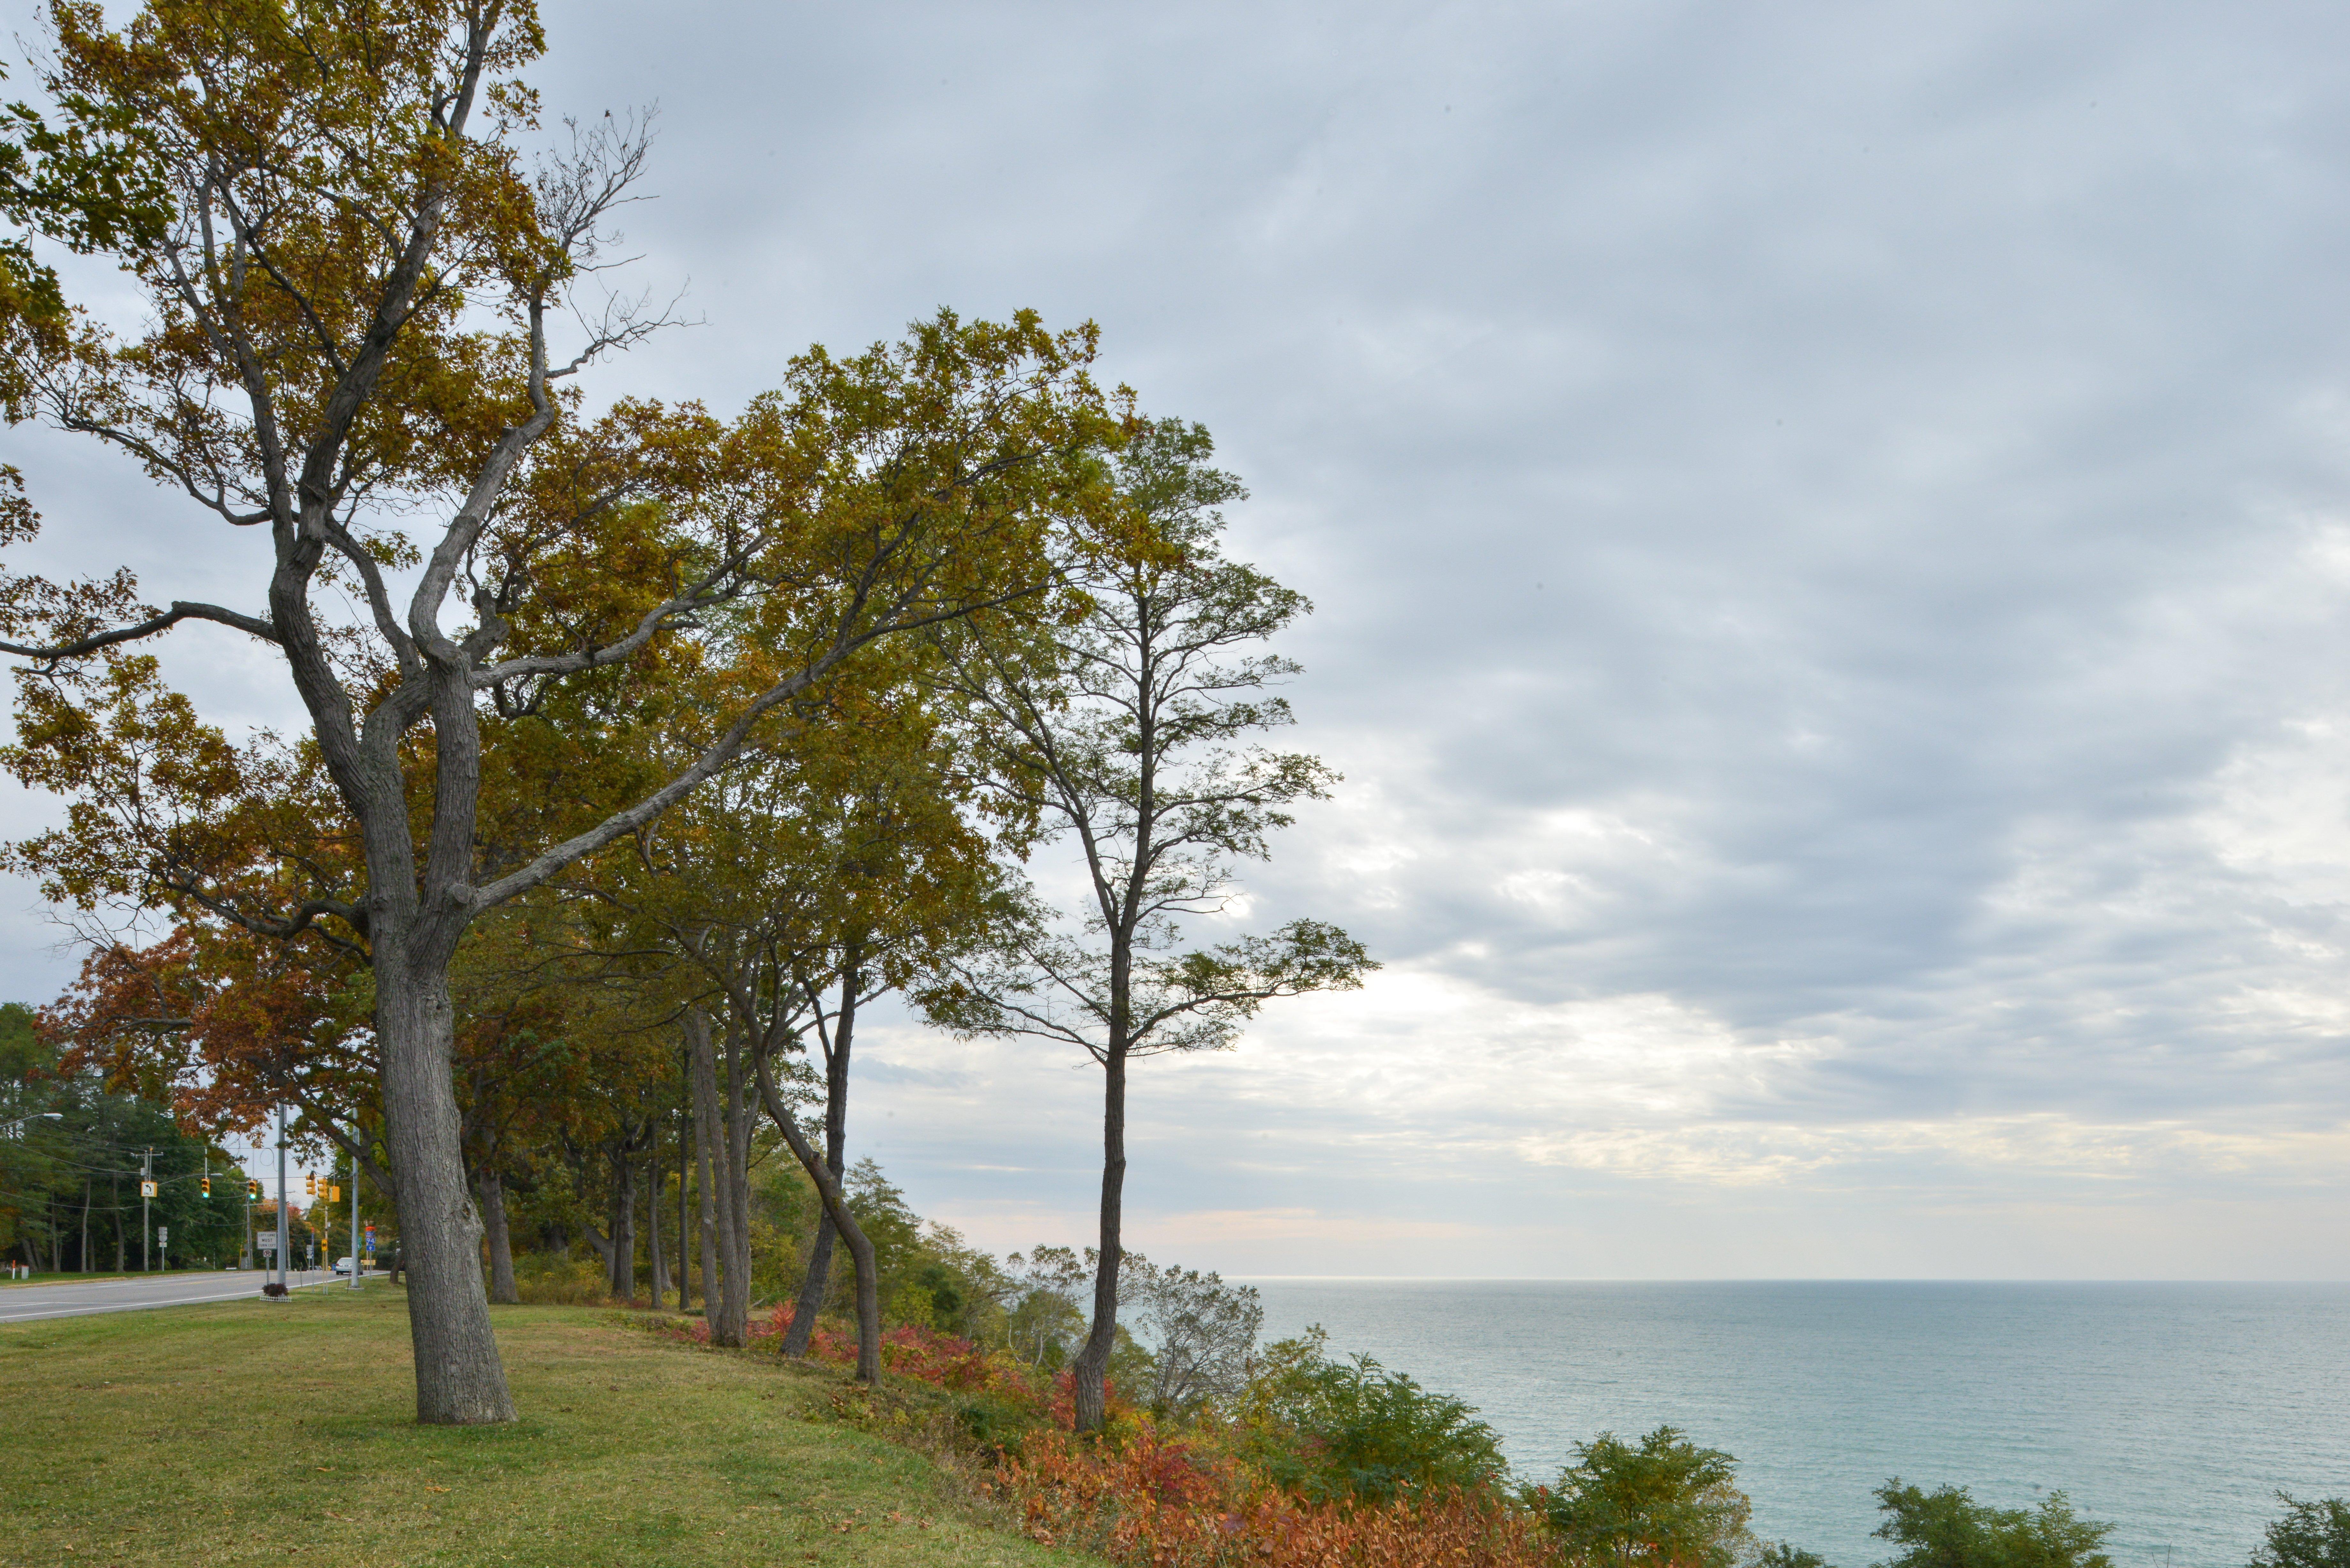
{"x": 552, "y": 1279}
{"x": 1784, "y": 1554}
{"x": 2310, "y": 1535}
{"x": 1666, "y": 1499}
{"x": 1336, "y": 1430}
{"x": 1946, "y": 1527}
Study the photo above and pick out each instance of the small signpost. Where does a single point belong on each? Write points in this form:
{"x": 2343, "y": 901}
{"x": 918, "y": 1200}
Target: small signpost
{"x": 146, "y": 1189}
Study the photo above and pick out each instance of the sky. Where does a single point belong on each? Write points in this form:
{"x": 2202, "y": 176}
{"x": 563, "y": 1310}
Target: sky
{"x": 1830, "y": 527}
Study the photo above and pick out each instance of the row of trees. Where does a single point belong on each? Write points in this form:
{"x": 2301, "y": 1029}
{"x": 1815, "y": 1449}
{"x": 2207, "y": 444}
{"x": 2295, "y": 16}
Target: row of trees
{"x": 73, "y": 1154}
{"x": 643, "y": 749}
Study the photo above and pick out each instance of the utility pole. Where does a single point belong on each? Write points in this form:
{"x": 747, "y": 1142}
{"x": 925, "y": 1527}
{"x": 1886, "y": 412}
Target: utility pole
{"x": 245, "y": 1239}
{"x": 146, "y": 1230}
{"x": 356, "y": 1261}
{"x": 283, "y": 1230}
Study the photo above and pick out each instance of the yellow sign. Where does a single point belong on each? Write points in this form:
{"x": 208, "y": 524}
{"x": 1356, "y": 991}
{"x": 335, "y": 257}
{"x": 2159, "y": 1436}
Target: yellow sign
{"x": 334, "y": 1195}
{"x": 146, "y": 1189}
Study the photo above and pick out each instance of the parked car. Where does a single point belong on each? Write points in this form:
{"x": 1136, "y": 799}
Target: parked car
{"x": 343, "y": 1264}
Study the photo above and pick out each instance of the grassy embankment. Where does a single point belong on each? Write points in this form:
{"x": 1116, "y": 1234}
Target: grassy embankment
{"x": 252, "y": 1431}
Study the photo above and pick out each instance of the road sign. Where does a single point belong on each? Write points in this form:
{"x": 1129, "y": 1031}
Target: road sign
{"x": 146, "y": 1189}
{"x": 268, "y": 1241}
{"x": 162, "y": 1232}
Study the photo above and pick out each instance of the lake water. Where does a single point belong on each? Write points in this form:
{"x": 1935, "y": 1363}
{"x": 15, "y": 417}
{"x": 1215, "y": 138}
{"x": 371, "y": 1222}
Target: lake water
{"x": 2177, "y": 1411}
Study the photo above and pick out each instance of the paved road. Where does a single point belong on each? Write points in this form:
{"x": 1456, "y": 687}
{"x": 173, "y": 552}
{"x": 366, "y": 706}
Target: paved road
{"x": 26, "y": 1302}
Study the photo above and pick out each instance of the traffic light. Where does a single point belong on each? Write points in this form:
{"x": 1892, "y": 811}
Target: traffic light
{"x": 310, "y": 1185}
{"x": 252, "y": 1187}
{"x": 334, "y": 1195}
{"x": 208, "y": 1186}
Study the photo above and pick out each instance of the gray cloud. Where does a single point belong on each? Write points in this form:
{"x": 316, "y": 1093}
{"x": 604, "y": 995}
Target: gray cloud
{"x": 1829, "y": 537}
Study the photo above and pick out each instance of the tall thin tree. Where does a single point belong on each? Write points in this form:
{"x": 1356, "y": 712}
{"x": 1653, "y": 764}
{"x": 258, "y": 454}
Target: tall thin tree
{"x": 1130, "y": 726}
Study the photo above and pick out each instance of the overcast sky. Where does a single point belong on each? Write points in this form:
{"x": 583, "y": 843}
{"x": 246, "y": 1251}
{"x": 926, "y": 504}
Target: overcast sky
{"x": 1831, "y": 528}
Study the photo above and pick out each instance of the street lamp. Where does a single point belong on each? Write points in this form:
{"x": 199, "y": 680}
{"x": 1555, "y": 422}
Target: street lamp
{"x": 41, "y": 1117}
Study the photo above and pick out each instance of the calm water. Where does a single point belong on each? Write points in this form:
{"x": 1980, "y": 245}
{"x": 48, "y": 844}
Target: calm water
{"x": 2176, "y": 1411}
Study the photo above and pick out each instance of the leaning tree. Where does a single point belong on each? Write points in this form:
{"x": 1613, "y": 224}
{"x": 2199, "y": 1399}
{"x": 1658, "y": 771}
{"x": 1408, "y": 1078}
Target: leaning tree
{"x": 362, "y": 316}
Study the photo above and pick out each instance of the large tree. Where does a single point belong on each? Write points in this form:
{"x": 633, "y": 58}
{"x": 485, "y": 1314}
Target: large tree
{"x": 351, "y": 351}
{"x": 1130, "y": 728}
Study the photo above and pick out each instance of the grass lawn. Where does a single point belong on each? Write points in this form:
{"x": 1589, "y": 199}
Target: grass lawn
{"x": 254, "y": 1431}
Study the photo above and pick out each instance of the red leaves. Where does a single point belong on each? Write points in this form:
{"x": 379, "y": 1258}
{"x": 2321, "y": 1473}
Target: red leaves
{"x": 1160, "y": 1501}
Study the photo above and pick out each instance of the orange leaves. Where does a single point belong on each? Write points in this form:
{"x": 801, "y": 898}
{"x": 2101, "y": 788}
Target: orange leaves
{"x": 1153, "y": 1501}
{"x": 215, "y": 1023}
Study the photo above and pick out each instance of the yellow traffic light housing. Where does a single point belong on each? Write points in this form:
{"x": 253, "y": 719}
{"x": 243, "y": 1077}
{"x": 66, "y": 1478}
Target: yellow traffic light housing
{"x": 310, "y": 1185}
{"x": 252, "y": 1187}
{"x": 334, "y": 1194}
{"x": 208, "y": 1187}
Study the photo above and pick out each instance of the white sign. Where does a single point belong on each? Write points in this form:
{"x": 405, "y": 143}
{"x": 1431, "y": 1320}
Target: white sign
{"x": 162, "y": 1232}
{"x": 146, "y": 1189}
{"x": 269, "y": 1240}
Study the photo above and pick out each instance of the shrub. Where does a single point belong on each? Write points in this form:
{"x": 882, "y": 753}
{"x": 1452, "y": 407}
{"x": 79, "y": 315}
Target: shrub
{"x": 2310, "y": 1535}
{"x": 1170, "y": 1504}
{"x": 555, "y": 1279}
{"x": 1666, "y": 1499}
{"x": 1351, "y": 1430}
{"x": 1946, "y": 1527}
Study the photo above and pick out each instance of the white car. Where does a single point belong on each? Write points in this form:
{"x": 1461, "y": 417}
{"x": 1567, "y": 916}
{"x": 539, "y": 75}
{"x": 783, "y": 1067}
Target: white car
{"x": 343, "y": 1264}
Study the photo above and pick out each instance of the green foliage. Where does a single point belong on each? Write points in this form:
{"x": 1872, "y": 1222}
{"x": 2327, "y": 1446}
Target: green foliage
{"x": 1335, "y": 1430}
{"x": 1787, "y": 1555}
{"x": 2310, "y": 1535}
{"x": 550, "y": 1279}
{"x": 929, "y": 1277}
{"x": 1663, "y": 1500}
{"x": 1946, "y": 1527}
{"x": 88, "y": 1160}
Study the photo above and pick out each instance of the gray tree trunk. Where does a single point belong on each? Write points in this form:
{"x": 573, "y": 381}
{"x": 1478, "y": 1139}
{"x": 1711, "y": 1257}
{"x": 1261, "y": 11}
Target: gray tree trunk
{"x": 684, "y": 1243}
{"x": 460, "y": 1380}
{"x": 835, "y": 1143}
{"x": 734, "y": 1193}
{"x": 705, "y": 1214}
{"x": 1090, "y": 1396}
{"x": 493, "y": 1225}
{"x": 658, "y": 1261}
{"x": 725, "y": 1293}
{"x": 815, "y": 1282}
{"x": 836, "y": 1203}
{"x": 624, "y": 1223}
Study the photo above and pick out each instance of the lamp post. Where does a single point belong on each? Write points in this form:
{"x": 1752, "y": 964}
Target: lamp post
{"x": 36, "y": 1117}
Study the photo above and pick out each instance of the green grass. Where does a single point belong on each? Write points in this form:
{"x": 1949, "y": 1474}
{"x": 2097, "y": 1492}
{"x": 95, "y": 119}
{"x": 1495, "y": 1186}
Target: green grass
{"x": 254, "y": 1431}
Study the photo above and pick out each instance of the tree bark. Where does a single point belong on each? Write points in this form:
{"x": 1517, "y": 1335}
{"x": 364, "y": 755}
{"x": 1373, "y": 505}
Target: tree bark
{"x": 494, "y": 1223}
{"x": 705, "y": 1214}
{"x": 714, "y": 1141}
{"x": 602, "y": 1246}
{"x": 624, "y": 1222}
{"x": 835, "y": 1142}
{"x": 656, "y": 1258}
{"x": 734, "y": 1194}
{"x": 860, "y": 1246}
{"x": 460, "y": 1380}
{"x": 1089, "y": 1390}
